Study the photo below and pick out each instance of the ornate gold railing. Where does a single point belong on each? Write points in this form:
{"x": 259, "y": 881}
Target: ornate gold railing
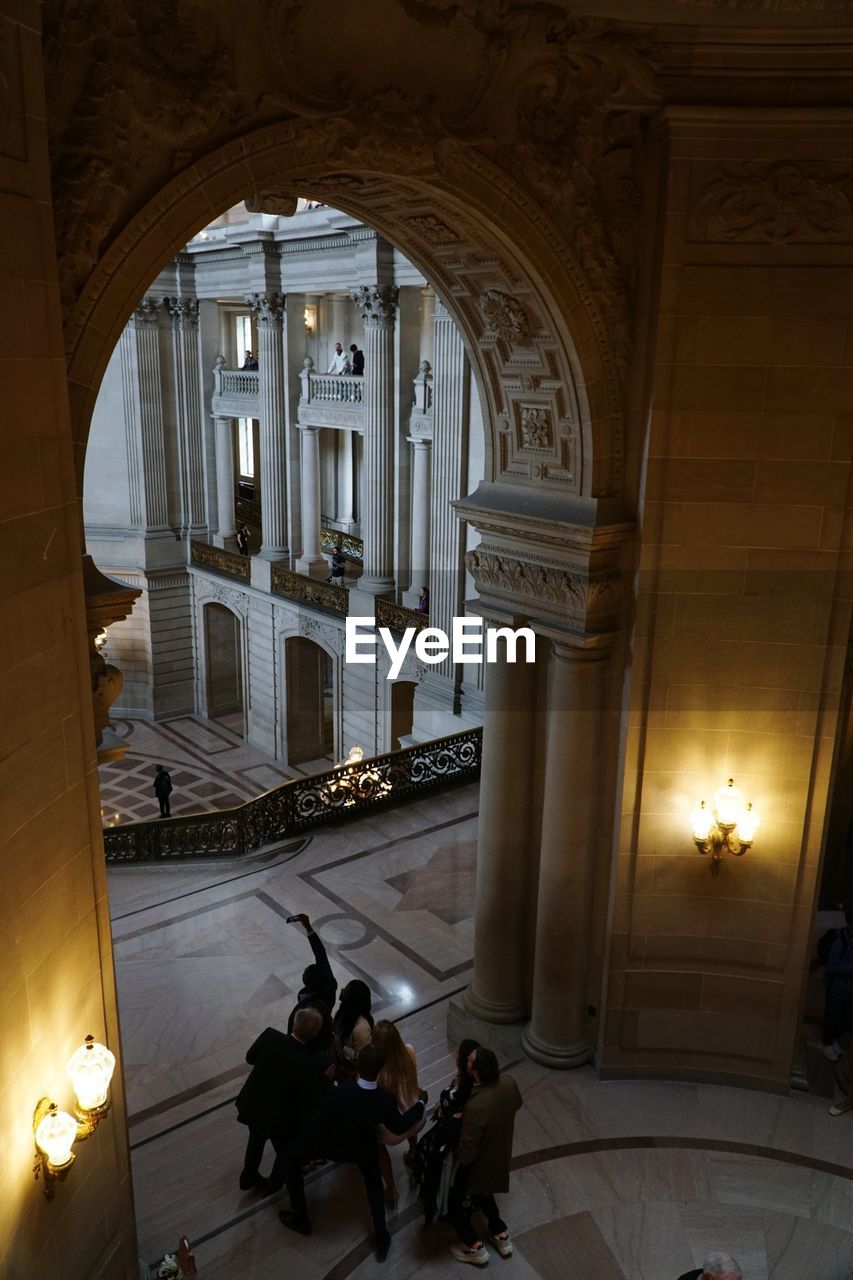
{"x": 353, "y": 548}
{"x": 320, "y": 595}
{"x": 221, "y": 561}
{"x": 296, "y": 806}
{"x": 397, "y": 617}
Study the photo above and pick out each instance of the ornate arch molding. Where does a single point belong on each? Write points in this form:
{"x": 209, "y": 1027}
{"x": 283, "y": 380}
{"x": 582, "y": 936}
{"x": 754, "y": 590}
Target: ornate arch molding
{"x": 534, "y": 169}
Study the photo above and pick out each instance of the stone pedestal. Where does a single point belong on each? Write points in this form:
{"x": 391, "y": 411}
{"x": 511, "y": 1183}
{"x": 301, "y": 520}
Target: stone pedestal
{"x": 378, "y": 306}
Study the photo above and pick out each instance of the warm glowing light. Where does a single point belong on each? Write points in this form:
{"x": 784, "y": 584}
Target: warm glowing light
{"x": 703, "y": 821}
{"x": 55, "y": 1137}
{"x": 355, "y": 755}
{"x": 91, "y": 1070}
{"x": 100, "y": 640}
{"x": 748, "y": 825}
{"x": 310, "y": 319}
{"x": 729, "y": 805}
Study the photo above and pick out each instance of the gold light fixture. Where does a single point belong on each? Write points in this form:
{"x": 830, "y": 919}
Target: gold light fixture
{"x": 90, "y": 1069}
{"x": 728, "y": 827}
{"x": 310, "y": 319}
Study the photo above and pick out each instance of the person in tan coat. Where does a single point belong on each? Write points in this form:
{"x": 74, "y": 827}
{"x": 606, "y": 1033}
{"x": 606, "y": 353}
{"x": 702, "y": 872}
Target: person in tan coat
{"x": 484, "y": 1155}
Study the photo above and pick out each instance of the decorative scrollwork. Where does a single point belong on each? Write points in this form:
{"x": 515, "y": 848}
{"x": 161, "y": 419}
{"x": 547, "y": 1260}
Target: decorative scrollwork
{"x": 220, "y": 560}
{"x": 781, "y": 202}
{"x": 397, "y": 617}
{"x": 321, "y": 595}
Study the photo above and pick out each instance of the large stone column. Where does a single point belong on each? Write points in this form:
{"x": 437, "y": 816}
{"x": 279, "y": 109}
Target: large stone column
{"x": 225, "y": 482}
{"x": 556, "y": 1034}
{"x": 268, "y": 309}
{"x": 311, "y": 561}
{"x": 496, "y": 993}
{"x": 187, "y": 387}
{"x": 142, "y": 387}
{"x": 345, "y": 513}
{"x": 378, "y": 306}
{"x": 421, "y": 489}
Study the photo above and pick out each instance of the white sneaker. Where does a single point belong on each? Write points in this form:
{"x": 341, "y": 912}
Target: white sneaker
{"x": 503, "y": 1244}
{"x": 830, "y": 1052}
{"x": 478, "y": 1256}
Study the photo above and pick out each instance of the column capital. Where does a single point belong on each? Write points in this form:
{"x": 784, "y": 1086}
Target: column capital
{"x": 268, "y": 308}
{"x": 146, "y": 314}
{"x": 377, "y": 304}
{"x": 184, "y": 312}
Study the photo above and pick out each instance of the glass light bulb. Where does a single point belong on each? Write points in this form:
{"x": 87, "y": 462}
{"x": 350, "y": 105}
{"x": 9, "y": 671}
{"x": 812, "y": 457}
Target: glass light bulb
{"x": 748, "y": 825}
{"x": 729, "y": 805}
{"x": 91, "y": 1070}
{"x": 55, "y": 1137}
{"x": 702, "y": 822}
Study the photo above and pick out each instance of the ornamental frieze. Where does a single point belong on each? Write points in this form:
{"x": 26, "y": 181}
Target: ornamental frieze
{"x": 771, "y": 202}
{"x": 546, "y": 589}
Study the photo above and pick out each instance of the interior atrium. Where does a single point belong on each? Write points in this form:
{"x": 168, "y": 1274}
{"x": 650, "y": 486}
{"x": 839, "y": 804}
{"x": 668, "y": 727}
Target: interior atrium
{"x": 448, "y": 318}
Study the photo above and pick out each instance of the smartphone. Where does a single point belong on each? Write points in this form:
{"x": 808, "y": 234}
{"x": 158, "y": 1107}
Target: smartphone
{"x": 292, "y": 920}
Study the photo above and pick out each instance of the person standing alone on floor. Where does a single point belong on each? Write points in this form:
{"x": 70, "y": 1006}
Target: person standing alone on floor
{"x": 162, "y": 790}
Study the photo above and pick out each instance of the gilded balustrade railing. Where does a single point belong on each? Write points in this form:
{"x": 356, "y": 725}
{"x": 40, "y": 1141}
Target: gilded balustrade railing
{"x": 397, "y": 617}
{"x": 353, "y": 548}
{"x": 297, "y": 806}
{"x": 321, "y": 595}
{"x": 216, "y": 558}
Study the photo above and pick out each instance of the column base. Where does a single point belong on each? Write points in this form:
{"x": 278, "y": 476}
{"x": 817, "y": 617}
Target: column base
{"x": 494, "y": 1013}
{"x": 563, "y": 1057}
{"x": 312, "y": 566}
{"x": 226, "y": 542}
{"x": 375, "y": 586}
{"x": 504, "y": 1038}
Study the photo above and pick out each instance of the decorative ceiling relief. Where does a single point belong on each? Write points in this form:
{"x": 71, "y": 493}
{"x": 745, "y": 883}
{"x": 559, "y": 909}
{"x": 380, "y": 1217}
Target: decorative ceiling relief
{"x": 504, "y": 316}
{"x": 771, "y": 202}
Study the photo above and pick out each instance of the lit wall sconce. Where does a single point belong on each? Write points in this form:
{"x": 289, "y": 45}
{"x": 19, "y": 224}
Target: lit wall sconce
{"x": 310, "y": 316}
{"x": 100, "y": 640}
{"x": 90, "y": 1069}
{"x": 729, "y": 826}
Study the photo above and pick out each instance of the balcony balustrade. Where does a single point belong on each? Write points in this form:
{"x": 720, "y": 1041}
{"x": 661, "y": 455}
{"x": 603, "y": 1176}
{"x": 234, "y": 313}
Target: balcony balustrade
{"x": 330, "y": 399}
{"x": 304, "y": 590}
{"x": 220, "y": 561}
{"x": 236, "y": 392}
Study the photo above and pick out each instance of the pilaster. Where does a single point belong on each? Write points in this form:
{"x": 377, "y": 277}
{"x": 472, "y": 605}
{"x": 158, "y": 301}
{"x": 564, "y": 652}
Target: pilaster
{"x": 186, "y": 371}
{"x": 378, "y": 307}
{"x": 268, "y": 309}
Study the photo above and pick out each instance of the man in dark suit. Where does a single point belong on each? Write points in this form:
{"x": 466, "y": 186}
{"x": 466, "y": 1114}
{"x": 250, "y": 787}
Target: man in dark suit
{"x": 344, "y": 1130}
{"x": 357, "y": 361}
{"x": 285, "y": 1086}
{"x": 717, "y": 1266}
{"x": 319, "y": 988}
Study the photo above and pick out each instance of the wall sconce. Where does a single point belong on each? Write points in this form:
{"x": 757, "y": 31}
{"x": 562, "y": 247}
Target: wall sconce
{"x": 101, "y": 639}
{"x": 91, "y": 1069}
{"x": 729, "y": 827}
{"x": 310, "y": 318}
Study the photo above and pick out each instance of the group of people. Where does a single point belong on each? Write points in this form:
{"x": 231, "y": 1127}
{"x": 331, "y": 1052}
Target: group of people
{"x": 343, "y": 363}
{"x": 343, "y": 1087}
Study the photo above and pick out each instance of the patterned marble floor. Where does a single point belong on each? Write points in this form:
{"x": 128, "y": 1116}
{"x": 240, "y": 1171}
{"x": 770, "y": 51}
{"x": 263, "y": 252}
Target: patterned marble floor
{"x": 611, "y": 1180}
{"x": 211, "y": 765}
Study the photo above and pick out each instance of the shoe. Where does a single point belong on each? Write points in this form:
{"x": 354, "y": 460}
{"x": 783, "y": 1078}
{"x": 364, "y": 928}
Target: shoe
{"x": 830, "y": 1052}
{"x": 478, "y": 1255}
{"x": 382, "y": 1248}
{"x": 503, "y": 1244}
{"x": 248, "y": 1181}
{"x": 840, "y": 1108}
{"x": 288, "y": 1218}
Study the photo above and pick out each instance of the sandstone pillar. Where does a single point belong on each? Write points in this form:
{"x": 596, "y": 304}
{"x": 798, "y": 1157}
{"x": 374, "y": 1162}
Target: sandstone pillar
{"x": 421, "y": 490}
{"x": 143, "y": 399}
{"x": 378, "y": 306}
{"x": 345, "y": 514}
{"x": 268, "y": 309}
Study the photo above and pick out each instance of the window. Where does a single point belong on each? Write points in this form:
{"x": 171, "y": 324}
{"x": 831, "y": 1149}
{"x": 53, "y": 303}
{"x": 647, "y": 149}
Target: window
{"x": 244, "y": 338}
{"x": 246, "y": 446}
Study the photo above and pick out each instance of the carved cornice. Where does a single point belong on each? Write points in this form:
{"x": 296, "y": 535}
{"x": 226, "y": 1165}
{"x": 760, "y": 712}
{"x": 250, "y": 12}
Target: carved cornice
{"x": 184, "y": 312}
{"x": 268, "y": 308}
{"x": 771, "y": 202}
{"x": 572, "y": 595}
{"x": 377, "y": 304}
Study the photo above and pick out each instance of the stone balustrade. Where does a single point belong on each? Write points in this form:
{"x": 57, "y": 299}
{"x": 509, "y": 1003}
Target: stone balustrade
{"x": 236, "y": 392}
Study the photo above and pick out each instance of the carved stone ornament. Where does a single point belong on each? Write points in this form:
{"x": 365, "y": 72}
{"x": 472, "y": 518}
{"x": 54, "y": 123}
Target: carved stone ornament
{"x": 184, "y": 312}
{"x": 217, "y": 593}
{"x": 777, "y": 202}
{"x": 522, "y": 579}
{"x": 267, "y": 308}
{"x": 280, "y": 201}
{"x": 536, "y": 430}
{"x": 377, "y": 304}
{"x": 147, "y": 313}
{"x": 321, "y": 633}
{"x": 504, "y": 316}
{"x": 433, "y": 230}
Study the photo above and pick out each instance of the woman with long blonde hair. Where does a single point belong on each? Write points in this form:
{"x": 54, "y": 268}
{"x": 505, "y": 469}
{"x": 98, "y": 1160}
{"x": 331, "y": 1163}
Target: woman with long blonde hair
{"x": 399, "y": 1076}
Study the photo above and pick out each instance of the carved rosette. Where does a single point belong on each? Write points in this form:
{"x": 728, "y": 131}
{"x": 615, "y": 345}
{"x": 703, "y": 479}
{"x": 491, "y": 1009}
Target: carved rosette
{"x": 536, "y": 430}
{"x": 377, "y": 304}
{"x": 505, "y": 316}
{"x": 146, "y": 314}
{"x": 184, "y": 312}
{"x": 267, "y": 308}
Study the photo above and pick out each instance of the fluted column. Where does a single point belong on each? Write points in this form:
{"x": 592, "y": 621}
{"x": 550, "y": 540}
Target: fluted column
{"x": 187, "y": 385}
{"x": 311, "y": 561}
{"x": 496, "y": 992}
{"x": 143, "y": 415}
{"x": 268, "y": 309}
{"x": 451, "y": 391}
{"x": 556, "y": 1034}
{"x": 421, "y": 488}
{"x": 224, "y": 428}
{"x": 345, "y": 514}
{"x": 378, "y": 306}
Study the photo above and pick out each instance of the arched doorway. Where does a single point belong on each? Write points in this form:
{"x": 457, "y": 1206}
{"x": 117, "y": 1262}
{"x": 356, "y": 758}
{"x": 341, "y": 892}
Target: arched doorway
{"x": 309, "y": 698}
{"x": 223, "y": 664}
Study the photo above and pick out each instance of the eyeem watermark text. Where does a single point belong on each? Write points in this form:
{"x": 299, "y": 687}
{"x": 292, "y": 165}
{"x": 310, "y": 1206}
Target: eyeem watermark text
{"x": 432, "y": 645}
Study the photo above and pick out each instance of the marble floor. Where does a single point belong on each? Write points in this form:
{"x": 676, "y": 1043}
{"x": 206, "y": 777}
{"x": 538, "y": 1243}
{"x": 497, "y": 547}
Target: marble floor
{"x": 211, "y": 765}
{"x": 611, "y": 1180}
